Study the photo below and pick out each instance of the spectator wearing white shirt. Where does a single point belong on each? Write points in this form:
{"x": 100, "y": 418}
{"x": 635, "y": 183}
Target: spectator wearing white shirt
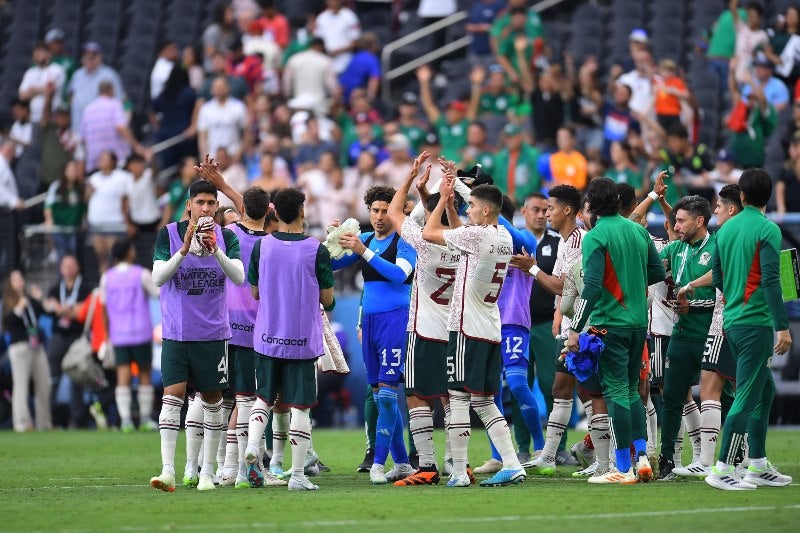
{"x": 21, "y": 131}
{"x": 221, "y": 122}
{"x": 9, "y": 202}
{"x": 36, "y": 79}
{"x": 142, "y": 204}
{"x": 749, "y": 37}
{"x": 640, "y": 81}
{"x": 339, "y": 27}
{"x": 167, "y": 56}
{"x": 107, "y": 190}
{"x": 431, "y": 11}
{"x": 311, "y": 74}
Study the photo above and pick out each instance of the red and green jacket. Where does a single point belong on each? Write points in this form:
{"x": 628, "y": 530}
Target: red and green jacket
{"x": 746, "y": 269}
{"x": 619, "y": 262}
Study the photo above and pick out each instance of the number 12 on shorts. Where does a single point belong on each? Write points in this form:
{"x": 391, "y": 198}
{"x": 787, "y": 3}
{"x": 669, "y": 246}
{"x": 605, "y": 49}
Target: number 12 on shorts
{"x": 396, "y": 355}
{"x": 514, "y": 347}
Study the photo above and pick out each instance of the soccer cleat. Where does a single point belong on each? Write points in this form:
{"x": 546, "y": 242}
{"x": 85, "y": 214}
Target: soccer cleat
{"x": 529, "y": 463}
{"x": 460, "y": 480}
{"x": 206, "y": 482}
{"x": 470, "y": 475}
{"x": 365, "y": 465}
{"x": 587, "y": 472}
{"x": 727, "y": 480}
{"x": 398, "y": 472}
{"x": 274, "y": 481}
{"x": 694, "y": 469}
{"x": 277, "y": 471}
{"x": 311, "y": 470}
{"x": 217, "y": 477}
{"x": 447, "y": 466}
{"x": 254, "y": 476}
{"x": 666, "y": 469}
{"x": 323, "y": 467}
{"x": 241, "y": 483}
{"x": 228, "y": 480}
{"x": 127, "y": 427}
{"x": 504, "y": 477}
{"x": 766, "y": 477}
{"x": 564, "y": 458}
{"x": 523, "y": 457}
{"x": 190, "y": 481}
{"x": 644, "y": 472}
{"x": 613, "y": 476}
{"x": 377, "y": 475}
{"x": 165, "y": 482}
{"x": 542, "y": 466}
{"x": 148, "y": 426}
{"x": 423, "y": 476}
{"x": 301, "y": 484}
{"x": 582, "y": 454}
{"x": 489, "y": 467}
{"x": 311, "y": 458}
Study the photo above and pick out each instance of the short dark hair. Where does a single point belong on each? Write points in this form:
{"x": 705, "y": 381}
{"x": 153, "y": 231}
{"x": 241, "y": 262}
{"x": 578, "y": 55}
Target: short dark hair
{"x": 730, "y": 194}
{"x": 678, "y": 130}
{"x": 121, "y": 248}
{"x": 568, "y": 196}
{"x": 201, "y": 187}
{"x": 603, "y": 197}
{"x": 755, "y": 6}
{"x": 517, "y": 10}
{"x": 288, "y": 203}
{"x": 696, "y": 205}
{"x": 627, "y": 197}
{"x": 568, "y": 129}
{"x": 508, "y": 208}
{"x": 378, "y": 193}
{"x": 489, "y": 194}
{"x": 536, "y": 195}
{"x": 430, "y": 205}
{"x": 256, "y": 202}
{"x": 756, "y": 186}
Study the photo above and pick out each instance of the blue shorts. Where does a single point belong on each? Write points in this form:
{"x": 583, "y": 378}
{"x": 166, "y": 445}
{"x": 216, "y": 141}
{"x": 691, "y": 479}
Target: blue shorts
{"x": 383, "y": 346}
{"x": 514, "y": 345}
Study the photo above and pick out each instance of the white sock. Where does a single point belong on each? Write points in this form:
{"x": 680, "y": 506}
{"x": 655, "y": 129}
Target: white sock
{"x": 169, "y": 422}
{"x": 280, "y": 432}
{"x": 587, "y": 408}
{"x": 420, "y": 422}
{"x": 710, "y": 420}
{"x": 497, "y": 427}
{"x": 601, "y": 438}
{"x": 612, "y": 449}
{"x": 760, "y": 463}
{"x": 556, "y": 426}
{"x": 459, "y": 430}
{"x": 212, "y": 427}
{"x": 194, "y": 435}
{"x": 677, "y": 457}
{"x": 300, "y": 439}
{"x": 257, "y": 423}
{"x": 448, "y": 454}
{"x": 227, "y": 407}
{"x": 122, "y": 395}
{"x": 231, "y": 453}
{"x": 652, "y": 427}
{"x": 243, "y": 406}
{"x": 691, "y": 414}
{"x": 722, "y": 467}
{"x": 145, "y": 397}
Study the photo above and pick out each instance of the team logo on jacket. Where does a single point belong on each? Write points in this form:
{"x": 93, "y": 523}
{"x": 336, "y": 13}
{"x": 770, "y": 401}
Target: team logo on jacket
{"x": 705, "y": 257}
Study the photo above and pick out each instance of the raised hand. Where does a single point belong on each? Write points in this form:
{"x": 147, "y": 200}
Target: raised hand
{"x": 659, "y": 187}
{"x": 477, "y": 75}
{"x": 424, "y": 74}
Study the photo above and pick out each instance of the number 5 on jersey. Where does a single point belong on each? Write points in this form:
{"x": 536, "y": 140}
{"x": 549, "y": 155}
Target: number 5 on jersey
{"x": 497, "y": 279}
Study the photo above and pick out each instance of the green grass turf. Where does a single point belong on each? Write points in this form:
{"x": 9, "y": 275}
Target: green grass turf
{"x": 99, "y": 481}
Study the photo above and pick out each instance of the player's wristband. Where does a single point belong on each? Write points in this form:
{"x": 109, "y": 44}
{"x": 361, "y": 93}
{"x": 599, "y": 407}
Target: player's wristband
{"x": 368, "y": 255}
{"x": 688, "y": 287}
{"x": 653, "y": 196}
{"x": 534, "y": 270}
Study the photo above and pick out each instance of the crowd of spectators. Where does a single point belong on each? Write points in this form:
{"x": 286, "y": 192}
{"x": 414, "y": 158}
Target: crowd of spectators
{"x": 282, "y": 103}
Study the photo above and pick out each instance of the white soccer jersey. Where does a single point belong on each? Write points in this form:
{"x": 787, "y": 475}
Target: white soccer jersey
{"x": 485, "y": 251}
{"x": 570, "y": 254}
{"x": 716, "y": 318}
{"x": 661, "y": 315}
{"x": 432, "y": 289}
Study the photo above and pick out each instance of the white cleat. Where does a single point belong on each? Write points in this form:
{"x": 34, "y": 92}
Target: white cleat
{"x": 614, "y": 476}
{"x": 492, "y": 466}
{"x": 301, "y": 484}
{"x": 377, "y": 475}
{"x": 165, "y": 482}
{"x": 206, "y": 482}
{"x": 727, "y": 480}
{"x": 587, "y": 472}
{"x": 460, "y": 480}
{"x": 398, "y": 472}
{"x": 271, "y": 480}
{"x": 766, "y": 477}
{"x": 693, "y": 469}
{"x": 228, "y": 480}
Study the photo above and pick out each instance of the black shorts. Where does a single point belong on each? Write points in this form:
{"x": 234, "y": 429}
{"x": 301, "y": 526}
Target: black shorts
{"x": 473, "y": 365}
{"x": 717, "y": 357}
{"x": 142, "y": 354}
{"x": 658, "y": 344}
{"x": 295, "y": 380}
{"x": 426, "y": 368}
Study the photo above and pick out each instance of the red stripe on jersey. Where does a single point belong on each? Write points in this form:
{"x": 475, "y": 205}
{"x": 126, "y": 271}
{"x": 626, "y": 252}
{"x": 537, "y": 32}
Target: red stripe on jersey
{"x": 611, "y": 282}
{"x": 753, "y": 276}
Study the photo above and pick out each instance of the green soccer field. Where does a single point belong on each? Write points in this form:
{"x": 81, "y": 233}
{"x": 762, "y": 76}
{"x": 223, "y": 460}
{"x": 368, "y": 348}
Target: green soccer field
{"x": 78, "y": 481}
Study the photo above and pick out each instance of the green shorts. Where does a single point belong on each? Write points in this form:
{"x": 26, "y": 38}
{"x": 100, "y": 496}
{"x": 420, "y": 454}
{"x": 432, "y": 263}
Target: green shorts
{"x": 473, "y": 365}
{"x": 295, "y": 381}
{"x": 717, "y": 357}
{"x": 658, "y": 344}
{"x": 202, "y": 364}
{"x": 426, "y": 368}
{"x": 141, "y": 354}
{"x": 242, "y": 362}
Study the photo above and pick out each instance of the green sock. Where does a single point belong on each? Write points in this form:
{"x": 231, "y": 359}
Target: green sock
{"x": 370, "y": 417}
{"x": 726, "y": 399}
{"x": 268, "y": 431}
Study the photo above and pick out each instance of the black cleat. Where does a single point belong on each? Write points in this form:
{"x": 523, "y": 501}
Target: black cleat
{"x": 366, "y": 464}
{"x": 665, "y": 466}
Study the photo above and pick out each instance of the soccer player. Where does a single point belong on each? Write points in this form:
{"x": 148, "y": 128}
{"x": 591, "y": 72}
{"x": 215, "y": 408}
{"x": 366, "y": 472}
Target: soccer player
{"x": 745, "y": 269}
{"x": 195, "y": 326}
{"x": 473, "y": 350}
{"x": 387, "y": 265}
{"x": 718, "y": 367}
{"x": 293, "y": 273}
{"x": 687, "y": 258}
{"x": 619, "y": 262}
{"x": 563, "y": 206}
{"x": 431, "y": 292}
{"x": 124, "y": 291}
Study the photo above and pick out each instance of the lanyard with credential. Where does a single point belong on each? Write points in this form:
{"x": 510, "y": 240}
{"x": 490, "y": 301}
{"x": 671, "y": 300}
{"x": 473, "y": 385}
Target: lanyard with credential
{"x": 686, "y": 258}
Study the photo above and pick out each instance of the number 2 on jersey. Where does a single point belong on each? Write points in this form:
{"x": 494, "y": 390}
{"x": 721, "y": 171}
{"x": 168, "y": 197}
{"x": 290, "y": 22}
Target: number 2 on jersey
{"x": 448, "y": 277}
{"x": 497, "y": 279}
